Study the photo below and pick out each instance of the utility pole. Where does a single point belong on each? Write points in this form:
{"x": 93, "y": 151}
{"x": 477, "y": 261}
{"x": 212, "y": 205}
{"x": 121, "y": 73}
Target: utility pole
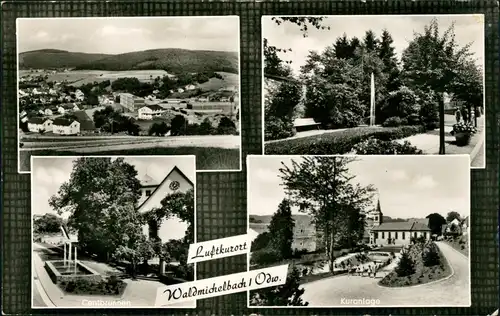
{"x": 441, "y": 123}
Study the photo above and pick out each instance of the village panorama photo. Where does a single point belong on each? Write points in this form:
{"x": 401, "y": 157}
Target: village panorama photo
{"x": 374, "y": 85}
{"x": 361, "y": 231}
{"x": 107, "y": 232}
{"x": 130, "y": 86}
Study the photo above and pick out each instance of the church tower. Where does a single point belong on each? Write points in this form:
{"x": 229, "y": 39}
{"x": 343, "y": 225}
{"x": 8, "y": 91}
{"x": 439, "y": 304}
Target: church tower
{"x": 373, "y": 218}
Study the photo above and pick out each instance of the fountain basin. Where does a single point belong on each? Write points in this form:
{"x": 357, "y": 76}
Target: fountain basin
{"x": 58, "y": 271}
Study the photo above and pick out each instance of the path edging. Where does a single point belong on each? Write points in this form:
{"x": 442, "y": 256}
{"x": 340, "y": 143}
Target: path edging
{"x": 476, "y": 148}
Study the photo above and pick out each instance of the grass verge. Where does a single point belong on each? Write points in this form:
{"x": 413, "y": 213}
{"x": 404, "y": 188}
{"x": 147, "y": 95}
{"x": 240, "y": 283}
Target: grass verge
{"x": 207, "y": 158}
{"x": 459, "y": 243}
{"x": 338, "y": 142}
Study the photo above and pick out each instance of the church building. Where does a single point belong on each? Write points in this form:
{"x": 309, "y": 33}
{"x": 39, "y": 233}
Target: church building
{"x": 152, "y": 193}
{"x": 395, "y": 233}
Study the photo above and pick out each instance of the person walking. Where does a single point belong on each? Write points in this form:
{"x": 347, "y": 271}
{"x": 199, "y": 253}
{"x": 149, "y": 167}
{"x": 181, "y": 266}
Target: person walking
{"x": 465, "y": 114}
{"x": 472, "y": 115}
{"x": 458, "y": 115}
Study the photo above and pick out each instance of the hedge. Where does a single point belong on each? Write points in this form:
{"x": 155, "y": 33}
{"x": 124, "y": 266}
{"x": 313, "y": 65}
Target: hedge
{"x": 338, "y": 142}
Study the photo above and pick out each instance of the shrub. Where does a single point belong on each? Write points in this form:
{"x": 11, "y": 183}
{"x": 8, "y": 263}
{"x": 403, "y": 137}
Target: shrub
{"x": 178, "y": 125}
{"x": 226, "y": 127}
{"x": 430, "y": 256}
{"x": 109, "y": 286}
{"x": 158, "y": 129}
{"x": 380, "y": 147}
{"x": 265, "y": 256}
{"x": 406, "y": 266}
{"x": 420, "y": 239}
{"x": 400, "y": 103}
{"x": 261, "y": 242}
{"x": 413, "y": 119}
{"x": 277, "y": 128}
{"x": 429, "y": 114}
{"x": 206, "y": 127}
{"x": 392, "y": 122}
{"x": 338, "y": 142}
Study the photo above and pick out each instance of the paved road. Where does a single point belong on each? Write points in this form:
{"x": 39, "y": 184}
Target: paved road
{"x": 454, "y": 291}
{"x": 479, "y": 160}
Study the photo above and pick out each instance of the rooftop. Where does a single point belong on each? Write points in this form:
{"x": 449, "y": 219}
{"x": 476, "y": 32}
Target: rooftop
{"x": 63, "y": 122}
{"x": 38, "y": 120}
{"x": 401, "y": 226}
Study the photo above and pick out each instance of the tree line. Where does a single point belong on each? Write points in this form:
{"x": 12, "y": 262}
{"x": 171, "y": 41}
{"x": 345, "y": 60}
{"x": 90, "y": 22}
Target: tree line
{"x": 336, "y": 81}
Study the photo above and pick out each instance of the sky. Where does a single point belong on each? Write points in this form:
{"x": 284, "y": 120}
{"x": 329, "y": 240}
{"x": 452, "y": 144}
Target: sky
{"x": 49, "y": 173}
{"x": 468, "y": 28}
{"x": 123, "y": 35}
{"x": 408, "y": 186}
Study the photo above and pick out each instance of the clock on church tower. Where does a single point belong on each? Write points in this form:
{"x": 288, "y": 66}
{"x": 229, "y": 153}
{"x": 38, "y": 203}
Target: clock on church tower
{"x": 174, "y": 185}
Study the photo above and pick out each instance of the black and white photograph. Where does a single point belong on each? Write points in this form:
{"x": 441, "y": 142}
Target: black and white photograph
{"x": 361, "y": 231}
{"x": 374, "y": 85}
{"x": 130, "y": 86}
{"x": 108, "y": 232}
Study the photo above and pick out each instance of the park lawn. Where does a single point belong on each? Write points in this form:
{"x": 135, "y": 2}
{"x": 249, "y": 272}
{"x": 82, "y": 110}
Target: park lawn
{"x": 338, "y": 142}
{"x": 207, "y": 158}
{"x": 422, "y": 273}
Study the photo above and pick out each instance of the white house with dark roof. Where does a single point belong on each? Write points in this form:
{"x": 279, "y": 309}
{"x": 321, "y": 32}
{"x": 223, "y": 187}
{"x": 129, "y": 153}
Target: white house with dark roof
{"x": 64, "y": 126}
{"x": 399, "y": 233}
{"x": 150, "y": 111}
{"x": 152, "y": 193}
{"x": 37, "y": 124}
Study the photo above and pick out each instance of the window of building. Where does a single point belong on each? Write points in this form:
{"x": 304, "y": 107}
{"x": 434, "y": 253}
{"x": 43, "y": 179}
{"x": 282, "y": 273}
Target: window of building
{"x": 383, "y": 235}
{"x": 376, "y": 218}
{"x": 301, "y": 230}
{"x": 415, "y": 234}
{"x": 148, "y": 192}
{"x": 403, "y": 235}
{"x": 375, "y": 235}
{"x": 396, "y": 235}
{"x": 389, "y": 235}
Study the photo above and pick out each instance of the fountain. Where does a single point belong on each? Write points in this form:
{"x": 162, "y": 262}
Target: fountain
{"x": 69, "y": 268}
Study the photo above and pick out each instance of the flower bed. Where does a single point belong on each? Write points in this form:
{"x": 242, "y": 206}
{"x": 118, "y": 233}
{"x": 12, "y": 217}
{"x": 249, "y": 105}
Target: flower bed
{"x": 109, "y": 286}
{"x": 426, "y": 264}
{"x": 339, "y": 142}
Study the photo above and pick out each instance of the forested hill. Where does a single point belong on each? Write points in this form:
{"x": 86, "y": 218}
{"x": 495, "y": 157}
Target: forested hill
{"x": 170, "y": 59}
{"x": 54, "y": 58}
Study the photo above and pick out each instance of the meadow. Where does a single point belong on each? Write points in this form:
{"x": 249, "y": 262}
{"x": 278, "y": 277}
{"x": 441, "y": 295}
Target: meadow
{"x": 207, "y": 158}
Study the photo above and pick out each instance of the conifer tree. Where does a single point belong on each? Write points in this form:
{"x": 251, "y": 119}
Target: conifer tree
{"x": 281, "y": 229}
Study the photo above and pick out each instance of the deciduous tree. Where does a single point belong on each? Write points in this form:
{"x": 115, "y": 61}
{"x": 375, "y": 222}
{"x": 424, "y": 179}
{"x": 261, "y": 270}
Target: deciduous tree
{"x": 324, "y": 188}
{"x": 100, "y": 197}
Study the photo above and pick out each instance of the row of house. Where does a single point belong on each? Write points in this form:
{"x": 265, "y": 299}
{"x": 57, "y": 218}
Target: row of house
{"x": 460, "y": 226}
{"x": 188, "y": 87}
{"x": 61, "y": 126}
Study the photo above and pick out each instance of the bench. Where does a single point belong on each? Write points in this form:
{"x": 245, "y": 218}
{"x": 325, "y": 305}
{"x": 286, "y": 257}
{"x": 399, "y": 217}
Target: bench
{"x": 302, "y": 124}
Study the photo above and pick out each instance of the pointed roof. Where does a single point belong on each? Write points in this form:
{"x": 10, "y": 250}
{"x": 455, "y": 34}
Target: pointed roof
{"x": 401, "y": 226}
{"x": 158, "y": 187}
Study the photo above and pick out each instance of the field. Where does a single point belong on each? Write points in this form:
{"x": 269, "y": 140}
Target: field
{"x": 207, "y": 158}
{"x": 80, "y": 77}
{"x": 215, "y": 84}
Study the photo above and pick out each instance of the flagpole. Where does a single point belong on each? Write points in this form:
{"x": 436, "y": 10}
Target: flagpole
{"x": 372, "y": 100}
